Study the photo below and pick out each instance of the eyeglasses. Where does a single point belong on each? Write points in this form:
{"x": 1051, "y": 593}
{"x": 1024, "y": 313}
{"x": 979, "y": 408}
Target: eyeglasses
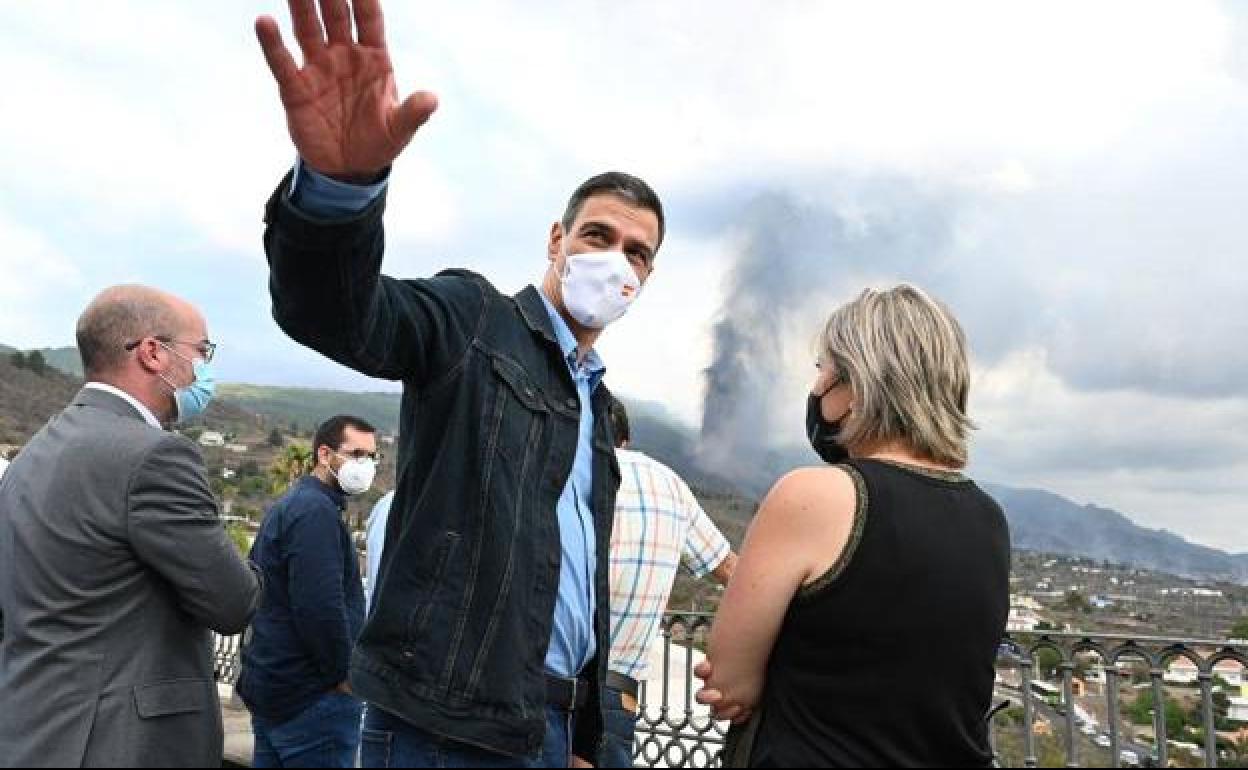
{"x": 206, "y": 348}
{"x": 359, "y": 454}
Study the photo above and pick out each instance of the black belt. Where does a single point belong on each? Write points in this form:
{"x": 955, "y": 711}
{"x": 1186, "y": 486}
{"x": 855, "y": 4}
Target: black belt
{"x": 566, "y": 694}
{"x": 624, "y": 684}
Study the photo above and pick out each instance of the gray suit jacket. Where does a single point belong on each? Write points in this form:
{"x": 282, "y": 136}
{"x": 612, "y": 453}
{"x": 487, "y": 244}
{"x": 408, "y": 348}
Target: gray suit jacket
{"x": 114, "y": 565}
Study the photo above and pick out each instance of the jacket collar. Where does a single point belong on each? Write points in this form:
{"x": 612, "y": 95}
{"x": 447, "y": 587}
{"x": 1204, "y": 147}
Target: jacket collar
{"x": 338, "y": 497}
{"x": 109, "y": 401}
{"x": 533, "y": 310}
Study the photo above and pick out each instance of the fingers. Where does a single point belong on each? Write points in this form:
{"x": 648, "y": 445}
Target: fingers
{"x": 413, "y": 113}
{"x": 721, "y": 709}
{"x": 281, "y": 63}
{"x": 337, "y": 21}
{"x": 745, "y": 716}
{"x": 703, "y": 670}
{"x": 369, "y": 24}
{"x": 307, "y": 26}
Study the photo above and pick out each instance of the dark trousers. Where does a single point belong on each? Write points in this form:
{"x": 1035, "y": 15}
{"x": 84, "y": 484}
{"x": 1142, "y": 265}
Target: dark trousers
{"x": 326, "y": 734}
{"x": 388, "y": 741}
{"x": 621, "y": 729}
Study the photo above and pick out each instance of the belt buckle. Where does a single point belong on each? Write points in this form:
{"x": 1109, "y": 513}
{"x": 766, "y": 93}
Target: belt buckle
{"x": 576, "y": 683}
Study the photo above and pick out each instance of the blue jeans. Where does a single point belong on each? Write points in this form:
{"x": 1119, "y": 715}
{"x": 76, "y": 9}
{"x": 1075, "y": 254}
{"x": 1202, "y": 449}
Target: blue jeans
{"x": 326, "y": 734}
{"x": 621, "y": 732}
{"x": 388, "y": 741}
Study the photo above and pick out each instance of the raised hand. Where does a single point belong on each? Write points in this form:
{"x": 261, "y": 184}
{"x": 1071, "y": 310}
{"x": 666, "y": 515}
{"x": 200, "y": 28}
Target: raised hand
{"x": 342, "y": 106}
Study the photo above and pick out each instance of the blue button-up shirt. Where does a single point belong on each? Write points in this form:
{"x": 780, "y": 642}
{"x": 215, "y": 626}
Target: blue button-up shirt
{"x": 572, "y": 642}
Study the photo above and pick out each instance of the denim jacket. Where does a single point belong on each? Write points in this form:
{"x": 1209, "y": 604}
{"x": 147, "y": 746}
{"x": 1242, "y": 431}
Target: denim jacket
{"x": 463, "y": 611}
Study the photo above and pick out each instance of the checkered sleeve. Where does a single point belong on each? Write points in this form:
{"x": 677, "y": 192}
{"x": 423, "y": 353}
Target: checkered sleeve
{"x": 705, "y": 546}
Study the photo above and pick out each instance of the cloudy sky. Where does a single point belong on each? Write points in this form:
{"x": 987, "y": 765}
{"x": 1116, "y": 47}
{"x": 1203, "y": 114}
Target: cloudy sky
{"x": 1069, "y": 177}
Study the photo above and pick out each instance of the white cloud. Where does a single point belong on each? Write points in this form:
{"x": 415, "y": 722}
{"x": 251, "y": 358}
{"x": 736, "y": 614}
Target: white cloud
{"x": 1169, "y": 462}
{"x": 34, "y": 276}
{"x": 1098, "y": 147}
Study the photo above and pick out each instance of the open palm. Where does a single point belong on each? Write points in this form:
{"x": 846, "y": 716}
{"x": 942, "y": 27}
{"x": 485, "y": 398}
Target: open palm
{"x": 342, "y": 106}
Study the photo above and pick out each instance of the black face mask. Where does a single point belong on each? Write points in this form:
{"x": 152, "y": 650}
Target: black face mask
{"x": 822, "y": 434}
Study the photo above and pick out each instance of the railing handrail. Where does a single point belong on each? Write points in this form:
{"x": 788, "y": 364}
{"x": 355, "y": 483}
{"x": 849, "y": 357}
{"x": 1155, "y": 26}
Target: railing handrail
{"x": 1128, "y": 638}
{"x": 668, "y": 736}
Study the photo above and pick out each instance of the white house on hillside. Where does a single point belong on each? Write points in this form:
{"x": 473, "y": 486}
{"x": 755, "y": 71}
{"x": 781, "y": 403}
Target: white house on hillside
{"x": 1238, "y": 710}
{"x": 211, "y": 438}
{"x": 1183, "y": 671}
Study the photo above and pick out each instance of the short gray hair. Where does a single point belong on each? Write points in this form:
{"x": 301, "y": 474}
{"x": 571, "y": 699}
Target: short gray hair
{"x": 117, "y": 317}
{"x": 905, "y": 358}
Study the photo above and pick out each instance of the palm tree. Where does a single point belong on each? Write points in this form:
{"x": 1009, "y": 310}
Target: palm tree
{"x": 294, "y": 461}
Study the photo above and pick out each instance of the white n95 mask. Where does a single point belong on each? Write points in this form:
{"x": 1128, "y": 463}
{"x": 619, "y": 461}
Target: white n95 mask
{"x": 599, "y": 287}
{"x": 356, "y": 476}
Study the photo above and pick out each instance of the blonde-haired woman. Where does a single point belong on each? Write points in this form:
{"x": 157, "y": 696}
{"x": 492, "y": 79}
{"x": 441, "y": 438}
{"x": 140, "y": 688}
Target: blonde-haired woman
{"x": 862, "y": 625}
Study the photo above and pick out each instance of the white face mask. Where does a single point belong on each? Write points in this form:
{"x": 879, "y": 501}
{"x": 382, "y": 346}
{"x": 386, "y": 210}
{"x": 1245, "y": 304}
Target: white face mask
{"x": 356, "y": 475}
{"x": 599, "y": 287}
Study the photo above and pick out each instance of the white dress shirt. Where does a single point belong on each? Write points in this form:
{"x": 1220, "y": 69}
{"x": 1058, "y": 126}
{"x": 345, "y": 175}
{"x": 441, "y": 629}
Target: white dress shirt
{"x": 143, "y": 410}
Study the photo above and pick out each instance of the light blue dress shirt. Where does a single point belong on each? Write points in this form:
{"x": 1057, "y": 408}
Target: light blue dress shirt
{"x": 375, "y": 537}
{"x": 572, "y": 641}
{"x": 315, "y": 194}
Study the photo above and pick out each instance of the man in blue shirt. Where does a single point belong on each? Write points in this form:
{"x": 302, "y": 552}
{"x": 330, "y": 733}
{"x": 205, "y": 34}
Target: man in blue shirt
{"x": 295, "y": 659}
{"x": 486, "y": 641}
{"x": 375, "y": 542}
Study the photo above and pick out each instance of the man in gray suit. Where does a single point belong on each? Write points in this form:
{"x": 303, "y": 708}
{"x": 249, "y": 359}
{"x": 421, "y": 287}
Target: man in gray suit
{"x": 114, "y": 563}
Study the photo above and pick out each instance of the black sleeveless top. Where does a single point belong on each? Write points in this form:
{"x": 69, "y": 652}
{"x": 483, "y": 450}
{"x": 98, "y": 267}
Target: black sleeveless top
{"x": 888, "y": 659}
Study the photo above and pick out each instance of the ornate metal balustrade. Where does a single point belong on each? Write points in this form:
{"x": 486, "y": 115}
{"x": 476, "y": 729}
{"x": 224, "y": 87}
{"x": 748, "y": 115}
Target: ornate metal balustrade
{"x": 226, "y": 658}
{"x": 674, "y": 731}
{"x": 1135, "y": 664}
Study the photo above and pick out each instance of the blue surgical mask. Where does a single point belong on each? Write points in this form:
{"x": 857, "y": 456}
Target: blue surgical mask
{"x": 193, "y": 400}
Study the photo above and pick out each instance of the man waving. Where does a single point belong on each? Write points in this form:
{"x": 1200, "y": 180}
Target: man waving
{"x": 486, "y": 644}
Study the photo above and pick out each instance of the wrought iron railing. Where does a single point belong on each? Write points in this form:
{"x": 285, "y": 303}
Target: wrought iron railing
{"x": 1130, "y": 665}
{"x": 1041, "y": 674}
{"x": 226, "y": 658}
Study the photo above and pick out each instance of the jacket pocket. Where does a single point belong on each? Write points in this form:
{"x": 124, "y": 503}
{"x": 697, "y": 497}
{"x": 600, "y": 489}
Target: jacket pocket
{"x": 418, "y": 620}
{"x": 514, "y": 404}
{"x": 176, "y": 696}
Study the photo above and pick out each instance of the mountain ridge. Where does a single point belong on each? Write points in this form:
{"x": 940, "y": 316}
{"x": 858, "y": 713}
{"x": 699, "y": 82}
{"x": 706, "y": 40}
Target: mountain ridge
{"x": 1040, "y": 520}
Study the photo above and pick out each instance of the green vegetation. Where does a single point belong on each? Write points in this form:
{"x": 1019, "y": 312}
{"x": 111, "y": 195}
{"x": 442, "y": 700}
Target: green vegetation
{"x": 65, "y": 360}
{"x": 32, "y": 361}
{"x": 1140, "y": 712}
{"x": 1240, "y": 629}
{"x": 1075, "y": 602}
{"x": 239, "y": 536}
{"x": 293, "y": 462}
{"x": 1047, "y": 661}
{"x": 305, "y": 408}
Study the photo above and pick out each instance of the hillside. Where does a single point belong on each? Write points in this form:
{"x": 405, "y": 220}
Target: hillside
{"x": 29, "y": 399}
{"x": 1040, "y": 521}
{"x": 1044, "y": 522}
{"x": 307, "y": 407}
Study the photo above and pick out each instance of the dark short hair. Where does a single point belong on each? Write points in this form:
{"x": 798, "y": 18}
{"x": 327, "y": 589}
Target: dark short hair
{"x": 333, "y": 431}
{"x": 619, "y": 422}
{"x": 621, "y": 185}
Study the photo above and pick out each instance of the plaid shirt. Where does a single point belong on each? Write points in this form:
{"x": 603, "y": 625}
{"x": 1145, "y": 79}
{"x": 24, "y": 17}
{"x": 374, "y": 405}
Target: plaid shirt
{"x": 658, "y": 524}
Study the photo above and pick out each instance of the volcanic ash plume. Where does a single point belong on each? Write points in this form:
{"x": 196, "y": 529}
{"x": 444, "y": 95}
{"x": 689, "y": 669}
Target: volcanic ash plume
{"x": 797, "y": 263}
